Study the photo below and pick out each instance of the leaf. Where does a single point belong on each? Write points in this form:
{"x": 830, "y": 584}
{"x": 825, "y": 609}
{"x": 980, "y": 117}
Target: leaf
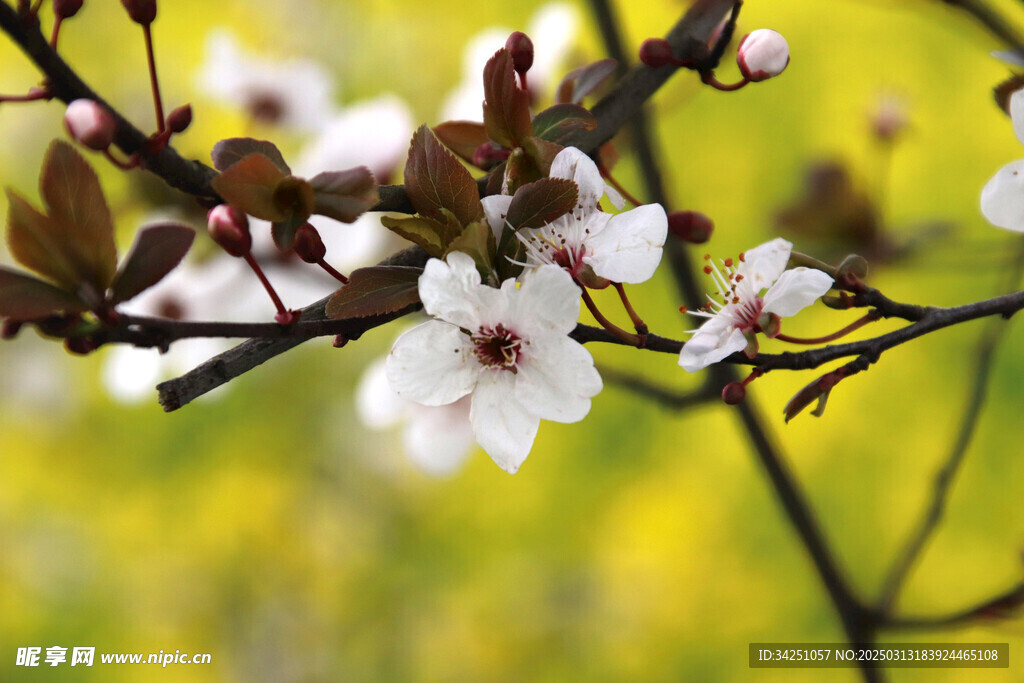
{"x": 554, "y": 123}
{"x": 157, "y": 250}
{"x": 580, "y": 82}
{"x": 284, "y": 231}
{"x": 344, "y": 195}
{"x": 25, "y": 298}
{"x": 77, "y": 209}
{"x": 434, "y": 236}
{"x": 520, "y": 169}
{"x": 462, "y": 137}
{"x": 506, "y": 106}
{"x": 295, "y": 197}
{"x": 38, "y": 244}
{"x": 542, "y": 201}
{"x": 477, "y": 240}
{"x": 542, "y": 153}
{"x": 436, "y": 180}
{"x": 227, "y": 153}
{"x": 249, "y": 185}
{"x": 375, "y": 291}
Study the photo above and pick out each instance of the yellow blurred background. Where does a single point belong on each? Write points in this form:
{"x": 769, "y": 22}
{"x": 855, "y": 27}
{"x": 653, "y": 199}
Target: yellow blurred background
{"x": 268, "y": 527}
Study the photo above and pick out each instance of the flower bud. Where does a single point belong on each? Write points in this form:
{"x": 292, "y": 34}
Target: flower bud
{"x": 229, "y": 228}
{"x": 690, "y": 226}
{"x": 141, "y": 11}
{"x": 308, "y": 245}
{"x": 656, "y": 52}
{"x": 180, "y": 118}
{"x": 733, "y": 393}
{"x": 66, "y": 8}
{"x": 762, "y": 54}
{"x": 487, "y": 156}
{"x": 9, "y": 328}
{"x": 80, "y": 345}
{"x": 90, "y": 124}
{"x": 520, "y": 47}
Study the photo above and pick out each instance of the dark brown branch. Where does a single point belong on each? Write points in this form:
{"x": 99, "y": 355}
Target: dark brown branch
{"x": 990, "y": 19}
{"x": 671, "y": 398}
{"x": 1002, "y": 606}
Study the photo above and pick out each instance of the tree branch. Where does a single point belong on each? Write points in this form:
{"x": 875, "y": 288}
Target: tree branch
{"x": 665, "y": 396}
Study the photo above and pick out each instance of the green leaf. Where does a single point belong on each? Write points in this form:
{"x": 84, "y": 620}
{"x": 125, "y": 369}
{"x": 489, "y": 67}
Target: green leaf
{"x": 506, "y": 106}
{"x": 375, "y": 291}
{"x": 344, "y": 195}
{"x": 580, "y": 82}
{"x": 284, "y": 231}
{"x": 477, "y": 240}
{"x": 250, "y": 184}
{"x": 554, "y": 123}
{"x": 542, "y": 201}
{"x": 25, "y": 298}
{"x": 461, "y": 137}
{"x": 74, "y": 198}
{"x": 157, "y": 250}
{"x": 434, "y": 236}
{"x": 227, "y": 153}
{"x": 436, "y": 180}
{"x": 520, "y": 169}
{"x": 38, "y": 243}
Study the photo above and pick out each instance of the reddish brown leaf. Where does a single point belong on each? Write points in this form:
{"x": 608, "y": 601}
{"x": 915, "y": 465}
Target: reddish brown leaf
{"x": 375, "y": 291}
{"x": 506, "y": 106}
{"x": 157, "y": 250}
{"x": 554, "y": 123}
{"x": 227, "y": 153}
{"x": 541, "y": 153}
{"x": 72, "y": 193}
{"x": 38, "y": 244}
{"x": 540, "y": 202}
{"x": 434, "y": 236}
{"x": 461, "y": 137}
{"x": 436, "y": 180}
{"x": 249, "y": 185}
{"x": 580, "y": 82}
{"x": 25, "y": 298}
{"x": 344, "y": 195}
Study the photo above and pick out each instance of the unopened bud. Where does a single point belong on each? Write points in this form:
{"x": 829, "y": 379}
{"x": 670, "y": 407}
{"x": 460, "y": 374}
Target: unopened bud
{"x": 229, "y": 228}
{"x": 762, "y": 54}
{"x": 9, "y": 328}
{"x": 733, "y": 393}
{"x": 690, "y": 226}
{"x": 340, "y": 341}
{"x": 308, "y": 245}
{"x": 141, "y": 11}
{"x": 66, "y": 8}
{"x": 180, "y": 118}
{"x": 80, "y": 345}
{"x": 90, "y": 124}
{"x": 487, "y": 156}
{"x": 656, "y": 52}
{"x": 520, "y": 47}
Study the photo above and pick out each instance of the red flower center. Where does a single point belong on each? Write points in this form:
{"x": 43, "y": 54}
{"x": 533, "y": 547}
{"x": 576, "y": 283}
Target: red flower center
{"x": 497, "y": 347}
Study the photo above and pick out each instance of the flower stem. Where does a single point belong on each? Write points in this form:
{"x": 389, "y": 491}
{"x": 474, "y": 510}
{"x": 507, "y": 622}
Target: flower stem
{"x": 855, "y": 325}
{"x": 283, "y": 314}
{"x": 607, "y": 175}
{"x": 638, "y": 323}
{"x": 708, "y": 78}
{"x": 154, "y": 83}
{"x": 631, "y": 339}
{"x": 132, "y": 161}
{"x": 56, "y": 31}
{"x": 33, "y": 95}
{"x": 332, "y": 272}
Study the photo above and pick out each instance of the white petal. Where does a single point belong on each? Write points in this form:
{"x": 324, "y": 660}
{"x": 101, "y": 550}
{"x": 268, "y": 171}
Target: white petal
{"x": 1002, "y": 199}
{"x": 556, "y": 380}
{"x": 439, "y": 440}
{"x": 573, "y": 164}
{"x": 352, "y": 245}
{"x": 503, "y": 427}
{"x": 795, "y": 290}
{"x": 547, "y": 304}
{"x": 716, "y": 339}
{"x": 465, "y": 102}
{"x": 1017, "y": 113}
{"x": 496, "y": 208}
{"x": 614, "y": 196}
{"x": 432, "y": 364}
{"x": 377, "y": 405}
{"x": 762, "y": 265}
{"x": 130, "y": 374}
{"x": 629, "y": 248}
{"x": 452, "y": 291}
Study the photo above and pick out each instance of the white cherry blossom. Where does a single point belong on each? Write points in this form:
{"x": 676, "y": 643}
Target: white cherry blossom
{"x": 743, "y": 310}
{"x": 624, "y": 247}
{"x": 509, "y": 348}
{"x": 1002, "y": 199}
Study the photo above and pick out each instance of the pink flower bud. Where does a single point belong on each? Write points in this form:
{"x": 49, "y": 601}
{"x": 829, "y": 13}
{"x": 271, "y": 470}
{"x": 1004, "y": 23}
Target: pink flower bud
{"x": 520, "y": 47}
{"x": 90, "y": 124}
{"x": 733, "y": 393}
{"x": 229, "y": 228}
{"x": 308, "y": 244}
{"x": 690, "y": 226}
{"x": 762, "y": 54}
{"x": 656, "y": 52}
{"x": 66, "y": 8}
{"x": 141, "y": 11}
{"x": 180, "y": 118}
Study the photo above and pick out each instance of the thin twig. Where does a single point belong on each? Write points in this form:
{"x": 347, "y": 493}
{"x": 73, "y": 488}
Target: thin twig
{"x": 668, "y": 397}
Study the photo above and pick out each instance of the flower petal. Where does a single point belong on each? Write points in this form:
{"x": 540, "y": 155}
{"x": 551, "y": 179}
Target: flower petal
{"x": 716, "y": 339}
{"x": 452, "y": 291}
{"x": 573, "y": 164}
{"x": 377, "y": 404}
{"x": 1002, "y": 199}
{"x": 795, "y": 290}
{"x": 629, "y": 247}
{"x": 556, "y": 380}
{"x": 762, "y": 265}
{"x": 1017, "y": 113}
{"x": 501, "y": 425}
{"x": 439, "y": 440}
{"x": 496, "y": 208}
{"x": 432, "y": 364}
{"x": 547, "y": 303}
